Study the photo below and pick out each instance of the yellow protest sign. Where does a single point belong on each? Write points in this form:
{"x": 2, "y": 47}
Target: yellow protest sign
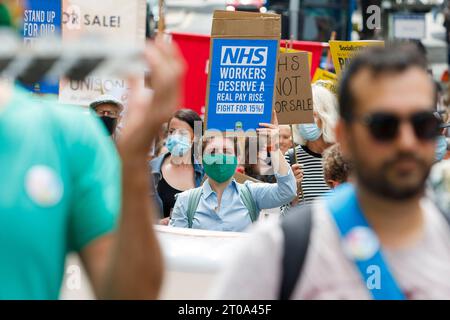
{"x": 325, "y": 79}
{"x": 343, "y": 51}
{"x": 321, "y": 74}
{"x": 327, "y": 84}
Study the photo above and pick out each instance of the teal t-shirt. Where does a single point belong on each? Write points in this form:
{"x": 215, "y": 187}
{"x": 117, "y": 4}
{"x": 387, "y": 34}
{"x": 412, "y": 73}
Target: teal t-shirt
{"x": 59, "y": 190}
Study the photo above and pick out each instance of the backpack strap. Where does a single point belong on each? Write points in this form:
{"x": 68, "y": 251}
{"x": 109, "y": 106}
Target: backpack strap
{"x": 296, "y": 227}
{"x": 194, "y": 200}
{"x": 249, "y": 202}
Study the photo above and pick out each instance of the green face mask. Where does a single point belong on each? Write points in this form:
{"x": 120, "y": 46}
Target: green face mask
{"x": 220, "y": 167}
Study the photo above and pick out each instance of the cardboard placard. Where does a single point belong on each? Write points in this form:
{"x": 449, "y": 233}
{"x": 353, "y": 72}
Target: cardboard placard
{"x": 343, "y": 51}
{"x": 322, "y": 74}
{"x": 310, "y": 55}
{"x": 293, "y": 92}
{"x": 117, "y": 21}
{"x": 242, "y": 69}
{"x": 241, "y": 178}
{"x": 326, "y": 79}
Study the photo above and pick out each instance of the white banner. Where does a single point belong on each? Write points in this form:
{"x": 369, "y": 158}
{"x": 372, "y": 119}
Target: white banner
{"x": 409, "y": 26}
{"x": 119, "y": 22}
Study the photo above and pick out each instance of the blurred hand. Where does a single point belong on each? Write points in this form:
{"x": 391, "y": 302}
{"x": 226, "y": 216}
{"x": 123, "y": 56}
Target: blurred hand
{"x": 295, "y": 202}
{"x": 298, "y": 173}
{"x": 274, "y": 117}
{"x": 165, "y": 221}
{"x": 147, "y": 112}
{"x": 272, "y": 133}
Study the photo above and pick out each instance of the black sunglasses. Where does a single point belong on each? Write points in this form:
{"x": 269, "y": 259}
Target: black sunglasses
{"x": 384, "y": 126}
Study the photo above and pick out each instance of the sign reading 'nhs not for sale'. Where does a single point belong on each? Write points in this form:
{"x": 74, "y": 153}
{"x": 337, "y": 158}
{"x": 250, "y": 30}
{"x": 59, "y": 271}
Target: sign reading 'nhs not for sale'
{"x": 241, "y": 87}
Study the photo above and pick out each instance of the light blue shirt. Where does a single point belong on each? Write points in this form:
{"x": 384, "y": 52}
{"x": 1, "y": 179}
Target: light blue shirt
{"x": 232, "y": 214}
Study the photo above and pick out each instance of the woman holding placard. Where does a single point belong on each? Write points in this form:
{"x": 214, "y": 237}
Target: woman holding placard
{"x": 315, "y": 137}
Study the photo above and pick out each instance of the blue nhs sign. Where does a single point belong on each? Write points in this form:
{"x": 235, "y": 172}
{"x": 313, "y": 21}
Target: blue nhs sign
{"x": 241, "y": 83}
{"x": 244, "y": 56}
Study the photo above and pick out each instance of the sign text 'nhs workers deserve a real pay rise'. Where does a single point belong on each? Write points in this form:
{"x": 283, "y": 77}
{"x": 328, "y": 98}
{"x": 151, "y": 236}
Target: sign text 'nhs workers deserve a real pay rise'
{"x": 241, "y": 83}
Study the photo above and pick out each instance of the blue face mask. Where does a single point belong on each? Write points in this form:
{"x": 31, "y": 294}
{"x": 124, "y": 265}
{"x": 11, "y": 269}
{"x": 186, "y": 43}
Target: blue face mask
{"x": 441, "y": 148}
{"x": 309, "y": 131}
{"x": 178, "y": 145}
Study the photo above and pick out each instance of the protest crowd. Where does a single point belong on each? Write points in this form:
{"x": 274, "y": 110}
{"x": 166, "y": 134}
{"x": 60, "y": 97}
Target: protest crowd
{"x": 339, "y": 190}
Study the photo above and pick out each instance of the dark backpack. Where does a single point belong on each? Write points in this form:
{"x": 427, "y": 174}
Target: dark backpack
{"x": 296, "y": 226}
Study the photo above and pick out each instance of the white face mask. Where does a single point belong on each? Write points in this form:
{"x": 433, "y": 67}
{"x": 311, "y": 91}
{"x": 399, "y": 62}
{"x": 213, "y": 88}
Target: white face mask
{"x": 441, "y": 148}
{"x": 178, "y": 144}
{"x": 309, "y": 131}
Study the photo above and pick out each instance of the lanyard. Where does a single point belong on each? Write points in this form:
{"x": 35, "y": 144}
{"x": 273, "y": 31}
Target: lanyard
{"x": 362, "y": 244}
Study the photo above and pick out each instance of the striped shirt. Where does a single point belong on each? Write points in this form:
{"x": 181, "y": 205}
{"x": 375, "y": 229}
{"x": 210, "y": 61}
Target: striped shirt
{"x": 313, "y": 184}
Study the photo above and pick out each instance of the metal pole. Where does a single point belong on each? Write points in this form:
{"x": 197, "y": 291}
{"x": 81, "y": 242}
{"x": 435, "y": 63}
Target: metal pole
{"x": 294, "y": 6}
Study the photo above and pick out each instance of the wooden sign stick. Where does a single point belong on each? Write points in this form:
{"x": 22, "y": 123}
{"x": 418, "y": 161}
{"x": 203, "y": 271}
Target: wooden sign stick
{"x": 299, "y": 186}
{"x": 161, "y": 22}
{"x": 333, "y": 37}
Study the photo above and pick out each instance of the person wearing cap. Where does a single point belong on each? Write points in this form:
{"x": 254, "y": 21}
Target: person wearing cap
{"x": 108, "y": 109}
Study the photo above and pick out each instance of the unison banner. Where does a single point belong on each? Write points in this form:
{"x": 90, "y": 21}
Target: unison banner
{"x": 119, "y": 22}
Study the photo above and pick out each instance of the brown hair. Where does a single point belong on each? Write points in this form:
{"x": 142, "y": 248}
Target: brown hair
{"x": 207, "y": 139}
{"x": 187, "y": 115}
{"x": 335, "y": 167}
